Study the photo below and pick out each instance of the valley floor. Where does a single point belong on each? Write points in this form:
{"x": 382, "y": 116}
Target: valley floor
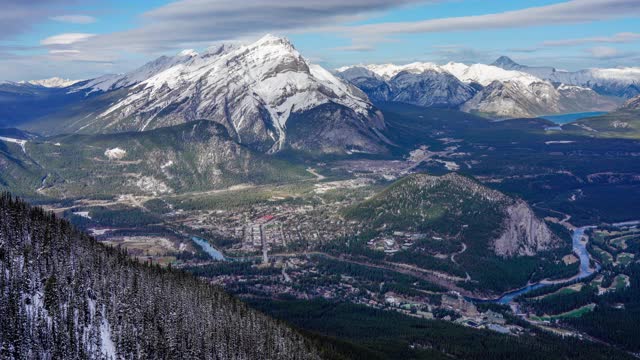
{"x": 291, "y": 240}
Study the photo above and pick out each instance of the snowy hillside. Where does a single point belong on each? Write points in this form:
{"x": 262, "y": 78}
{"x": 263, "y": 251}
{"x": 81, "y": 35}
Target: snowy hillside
{"x": 253, "y": 90}
{"x": 54, "y": 82}
{"x": 65, "y": 296}
{"x": 489, "y": 90}
{"x": 621, "y": 82}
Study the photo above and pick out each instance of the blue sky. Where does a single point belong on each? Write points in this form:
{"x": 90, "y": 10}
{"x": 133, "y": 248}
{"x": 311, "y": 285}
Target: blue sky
{"x": 82, "y": 39}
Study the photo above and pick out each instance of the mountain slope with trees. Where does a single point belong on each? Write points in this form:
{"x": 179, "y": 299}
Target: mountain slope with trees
{"x": 65, "y": 296}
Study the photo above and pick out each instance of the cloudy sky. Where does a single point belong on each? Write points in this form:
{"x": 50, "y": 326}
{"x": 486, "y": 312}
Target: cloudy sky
{"x": 85, "y": 38}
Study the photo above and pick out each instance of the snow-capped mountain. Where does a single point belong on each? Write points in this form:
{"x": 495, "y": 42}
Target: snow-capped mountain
{"x": 431, "y": 88}
{"x": 117, "y": 81}
{"x": 485, "y": 89}
{"x": 54, "y": 82}
{"x": 486, "y": 74}
{"x": 507, "y": 63}
{"x": 266, "y": 94}
{"x": 514, "y": 99}
{"x": 423, "y": 84}
{"x": 620, "y": 82}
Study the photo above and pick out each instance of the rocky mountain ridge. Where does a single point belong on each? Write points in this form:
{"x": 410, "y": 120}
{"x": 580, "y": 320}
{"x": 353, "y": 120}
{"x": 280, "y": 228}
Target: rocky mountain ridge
{"x": 453, "y": 205}
{"x": 253, "y": 90}
{"x": 488, "y": 90}
{"x": 621, "y": 82}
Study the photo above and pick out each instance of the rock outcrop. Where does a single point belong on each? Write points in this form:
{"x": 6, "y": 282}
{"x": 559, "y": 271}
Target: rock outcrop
{"x": 524, "y": 234}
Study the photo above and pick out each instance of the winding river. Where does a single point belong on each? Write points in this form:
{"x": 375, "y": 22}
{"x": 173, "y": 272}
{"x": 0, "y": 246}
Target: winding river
{"x": 579, "y": 248}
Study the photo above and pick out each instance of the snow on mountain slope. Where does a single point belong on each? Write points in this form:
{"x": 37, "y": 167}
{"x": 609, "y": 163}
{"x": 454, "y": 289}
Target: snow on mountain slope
{"x": 514, "y": 99}
{"x": 54, "y": 82}
{"x": 253, "y": 90}
{"x": 486, "y": 74}
{"x": 423, "y": 84}
{"x": 621, "y": 82}
{"x": 478, "y": 88}
{"x": 112, "y": 82}
{"x": 388, "y": 71}
{"x": 480, "y": 73}
{"x": 430, "y": 88}
{"x": 486, "y": 89}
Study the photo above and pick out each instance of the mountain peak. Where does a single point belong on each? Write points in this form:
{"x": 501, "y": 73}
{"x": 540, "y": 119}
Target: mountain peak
{"x": 504, "y": 61}
{"x": 188, "y": 52}
{"x": 273, "y": 39}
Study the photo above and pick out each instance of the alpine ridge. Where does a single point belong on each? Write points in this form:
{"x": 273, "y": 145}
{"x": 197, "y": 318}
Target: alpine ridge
{"x": 501, "y": 90}
{"x": 253, "y": 90}
{"x": 621, "y": 82}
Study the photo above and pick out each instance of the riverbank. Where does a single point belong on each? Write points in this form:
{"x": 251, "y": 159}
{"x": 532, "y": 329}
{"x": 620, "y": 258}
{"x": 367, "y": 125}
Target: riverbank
{"x": 585, "y": 270}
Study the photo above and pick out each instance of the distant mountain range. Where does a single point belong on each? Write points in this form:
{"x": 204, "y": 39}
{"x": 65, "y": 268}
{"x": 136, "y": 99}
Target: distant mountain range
{"x": 266, "y": 95}
{"x": 270, "y": 98}
{"x": 501, "y": 90}
{"x": 620, "y": 82}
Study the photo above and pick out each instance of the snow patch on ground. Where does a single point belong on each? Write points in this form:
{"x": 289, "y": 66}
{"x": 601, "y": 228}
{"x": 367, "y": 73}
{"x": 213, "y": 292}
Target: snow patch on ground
{"x": 559, "y": 142}
{"x": 22, "y": 143}
{"x": 617, "y": 124}
{"x": 108, "y": 347}
{"x": 115, "y": 153}
{"x": 96, "y": 232}
{"x": 450, "y": 165}
{"x": 84, "y": 214}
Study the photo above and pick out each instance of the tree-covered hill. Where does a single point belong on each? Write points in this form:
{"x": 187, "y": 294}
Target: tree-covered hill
{"x": 499, "y": 240}
{"x": 65, "y": 296}
{"x": 196, "y": 156}
{"x": 623, "y": 123}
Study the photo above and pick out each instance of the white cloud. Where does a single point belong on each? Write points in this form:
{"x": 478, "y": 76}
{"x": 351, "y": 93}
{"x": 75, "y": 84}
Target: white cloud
{"x": 198, "y": 23}
{"x": 74, "y": 19}
{"x": 603, "y": 52}
{"x": 625, "y": 37}
{"x": 354, "y": 47}
{"x": 569, "y": 12}
{"x": 19, "y": 16}
{"x": 66, "y": 39}
{"x": 64, "y": 52}
{"x": 186, "y": 23}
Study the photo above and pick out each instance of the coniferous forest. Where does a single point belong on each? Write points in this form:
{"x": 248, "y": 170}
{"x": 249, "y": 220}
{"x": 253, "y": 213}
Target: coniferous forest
{"x": 65, "y": 296}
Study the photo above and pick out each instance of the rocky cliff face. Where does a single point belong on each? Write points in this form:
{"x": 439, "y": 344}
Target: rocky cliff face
{"x": 514, "y": 99}
{"x": 375, "y": 86}
{"x": 430, "y": 89}
{"x": 417, "y": 84}
{"x": 524, "y": 234}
